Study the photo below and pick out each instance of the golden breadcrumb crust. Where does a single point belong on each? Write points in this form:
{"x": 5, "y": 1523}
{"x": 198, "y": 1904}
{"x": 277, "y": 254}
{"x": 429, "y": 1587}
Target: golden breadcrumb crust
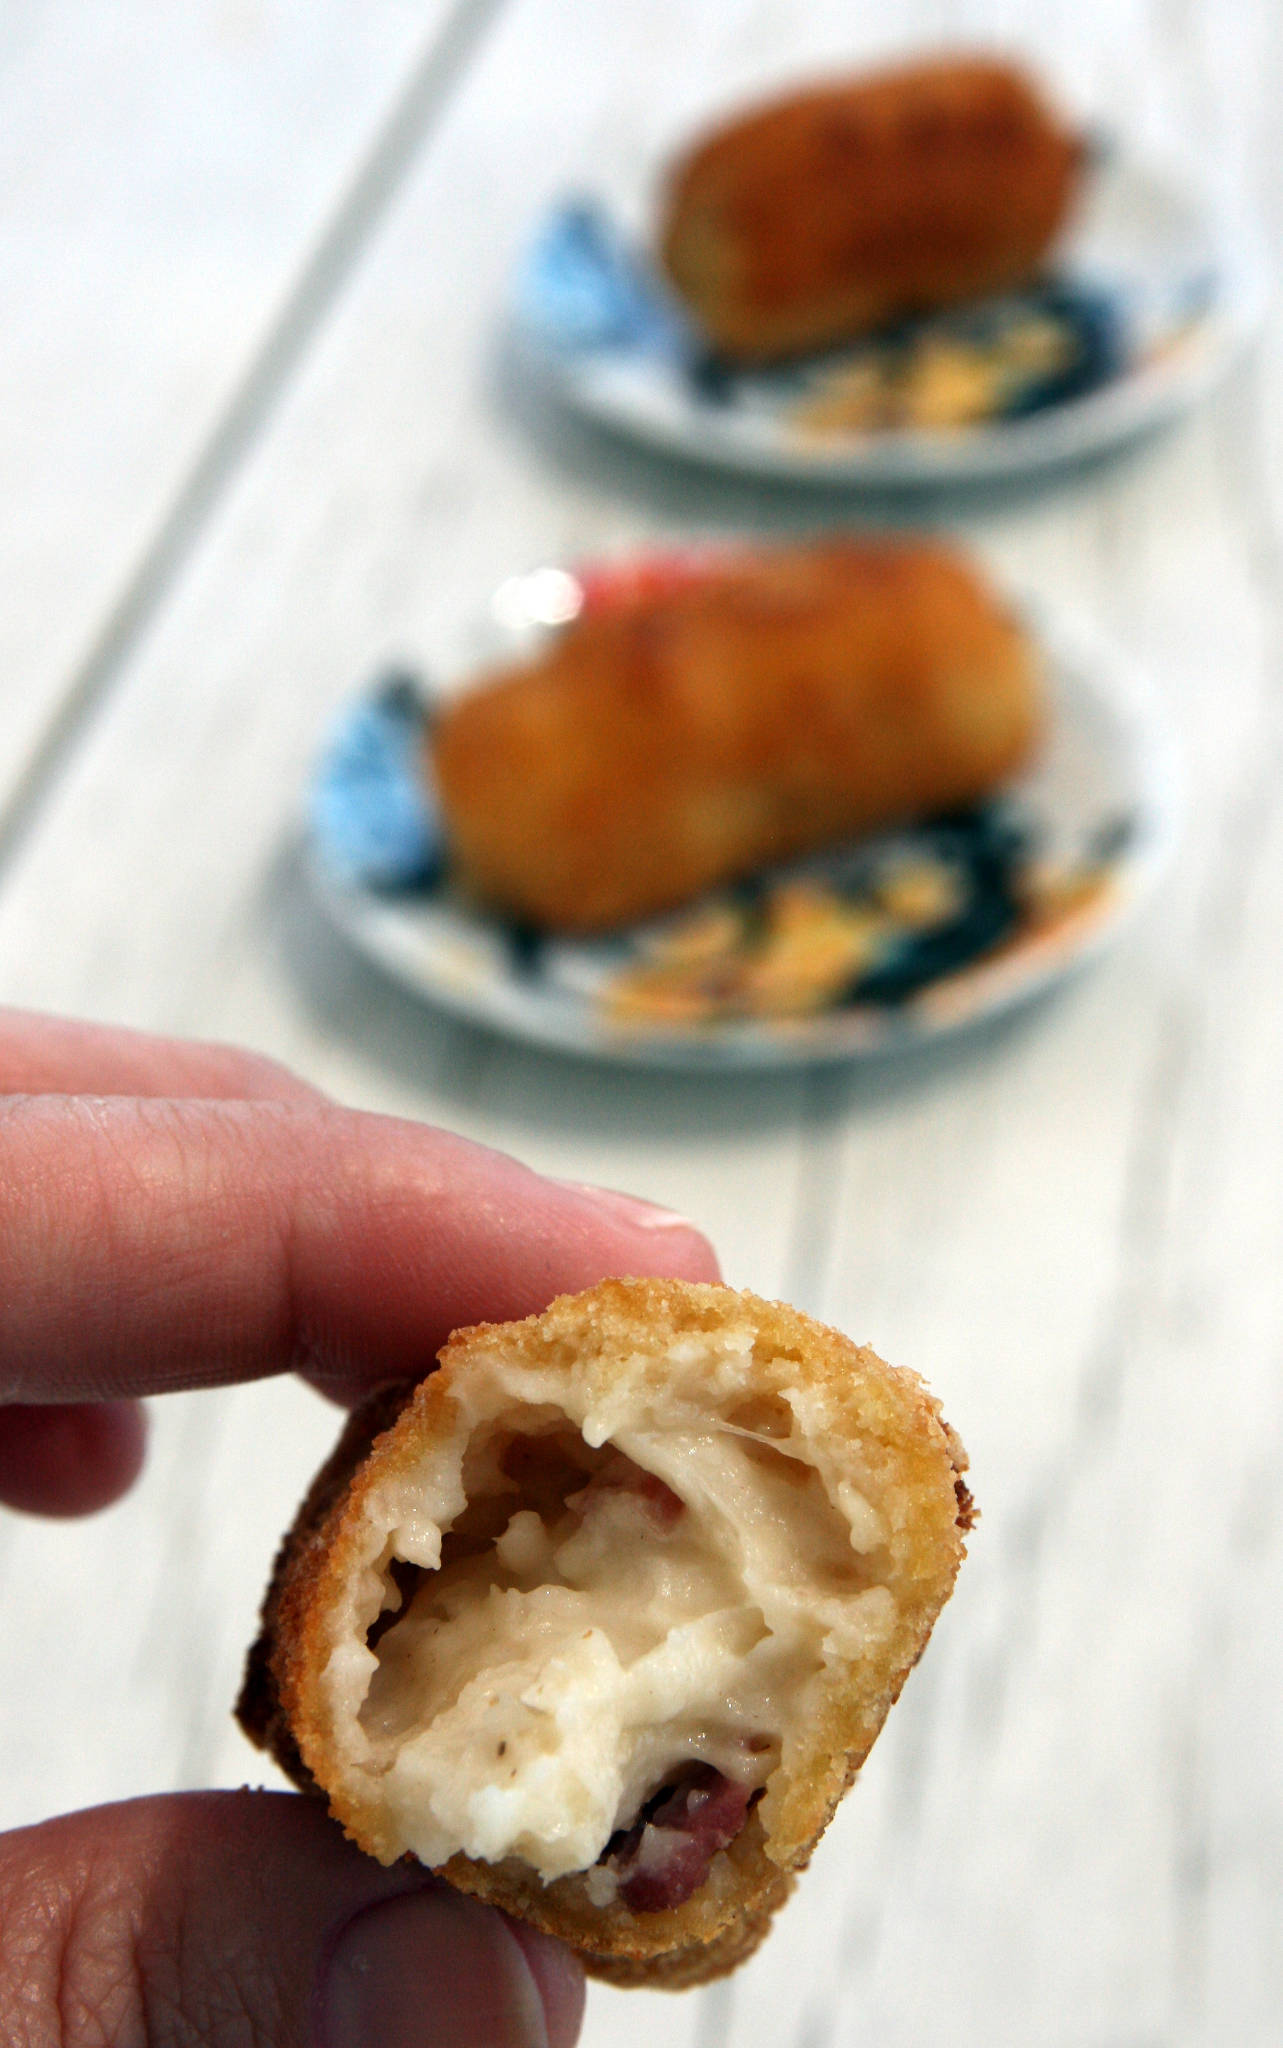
{"x": 776, "y": 702}
{"x": 620, "y": 1332}
{"x": 832, "y": 210}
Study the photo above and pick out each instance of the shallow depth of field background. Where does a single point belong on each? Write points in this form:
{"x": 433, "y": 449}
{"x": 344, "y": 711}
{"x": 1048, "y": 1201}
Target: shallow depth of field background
{"x": 257, "y": 431}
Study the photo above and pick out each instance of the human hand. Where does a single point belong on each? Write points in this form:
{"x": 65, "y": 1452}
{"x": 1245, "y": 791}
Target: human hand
{"x": 176, "y": 1215}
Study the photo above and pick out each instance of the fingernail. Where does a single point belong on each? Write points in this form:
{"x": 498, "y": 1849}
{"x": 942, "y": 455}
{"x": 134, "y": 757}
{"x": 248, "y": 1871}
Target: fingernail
{"x": 628, "y": 1209}
{"x": 431, "y": 1969}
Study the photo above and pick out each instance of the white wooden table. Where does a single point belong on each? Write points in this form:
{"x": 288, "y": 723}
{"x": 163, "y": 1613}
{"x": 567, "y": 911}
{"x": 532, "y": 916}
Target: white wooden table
{"x": 253, "y": 439}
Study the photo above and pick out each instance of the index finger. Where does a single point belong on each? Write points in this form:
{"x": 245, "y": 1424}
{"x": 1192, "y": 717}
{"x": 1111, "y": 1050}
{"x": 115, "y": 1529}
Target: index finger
{"x": 154, "y": 1245}
{"x": 43, "y": 1055}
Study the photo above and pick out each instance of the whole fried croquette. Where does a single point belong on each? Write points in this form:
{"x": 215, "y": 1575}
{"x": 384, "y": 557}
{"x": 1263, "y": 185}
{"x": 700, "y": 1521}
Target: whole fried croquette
{"x": 831, "y": 211}
{"x": 773, "y": 704}
{"x": 601, "y": 1620}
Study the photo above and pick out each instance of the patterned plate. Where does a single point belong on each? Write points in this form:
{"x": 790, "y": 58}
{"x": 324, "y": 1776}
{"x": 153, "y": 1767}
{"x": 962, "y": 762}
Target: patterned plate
{"x": 1155, "y": 292}
{"x": 872, "y": 946}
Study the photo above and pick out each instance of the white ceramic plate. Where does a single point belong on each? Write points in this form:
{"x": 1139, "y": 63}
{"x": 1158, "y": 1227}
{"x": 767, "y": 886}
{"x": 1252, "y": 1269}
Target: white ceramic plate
{"x": 1094, "y": 819}
{"x": 1175, "y": 278}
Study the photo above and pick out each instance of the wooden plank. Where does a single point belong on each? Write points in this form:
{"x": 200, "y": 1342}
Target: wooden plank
{"x": 1070, "y": 1832}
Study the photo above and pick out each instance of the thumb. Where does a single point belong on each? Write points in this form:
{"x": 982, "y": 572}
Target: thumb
{"x": 229, "y": 1918}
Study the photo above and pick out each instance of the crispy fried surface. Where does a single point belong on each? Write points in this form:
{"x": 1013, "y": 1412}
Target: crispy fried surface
{"x": 259, "y": 1708}
{"x": 825, "y": 214}
{"x": 780, "y": 702}
{"x": 613, "y": 1346}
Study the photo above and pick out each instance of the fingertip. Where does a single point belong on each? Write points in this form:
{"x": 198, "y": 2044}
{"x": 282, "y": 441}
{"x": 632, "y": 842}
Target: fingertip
{"x": 434, "y": 1969}
{"x": 69, "y": 1459}
{"x": 687, "y": 1255}
{"x": 670, "y": 1245}
{"x": 694, "y": 1257}
{"x": 246, "y": 1916}
{"x": 559, "y": 1977}
{"x": 568, "y": 1235}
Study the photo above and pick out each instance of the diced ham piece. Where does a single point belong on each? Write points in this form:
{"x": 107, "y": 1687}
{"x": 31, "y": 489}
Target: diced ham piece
{"x": 664, "y": 1858}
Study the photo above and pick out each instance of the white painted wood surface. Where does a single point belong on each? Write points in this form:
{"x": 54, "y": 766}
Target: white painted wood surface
{"x": 1071, "y": 1833}
{"x": 174, "y": 188}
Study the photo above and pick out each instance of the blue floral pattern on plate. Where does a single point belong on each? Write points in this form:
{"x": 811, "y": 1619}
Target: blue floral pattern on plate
{"x": 371, "y": 804}
{"x": 582, "y": 287}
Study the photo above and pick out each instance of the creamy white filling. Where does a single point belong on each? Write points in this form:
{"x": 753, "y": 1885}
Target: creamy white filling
{"x": 535, "y": 1694}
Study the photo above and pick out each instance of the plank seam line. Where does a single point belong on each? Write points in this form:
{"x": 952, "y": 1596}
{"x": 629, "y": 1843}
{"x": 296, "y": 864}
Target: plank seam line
{"x": 813, "y": 1219}
{"x": 400, "y": 137}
